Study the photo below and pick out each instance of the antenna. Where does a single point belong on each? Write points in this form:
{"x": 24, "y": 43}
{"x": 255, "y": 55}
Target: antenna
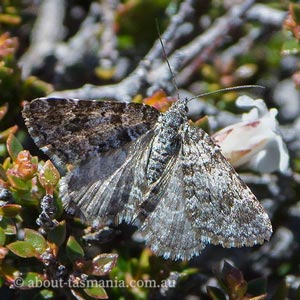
{"x": 229, "y": 89}
{"x": 234, "y": 88}
{"x": 166, "y": 58}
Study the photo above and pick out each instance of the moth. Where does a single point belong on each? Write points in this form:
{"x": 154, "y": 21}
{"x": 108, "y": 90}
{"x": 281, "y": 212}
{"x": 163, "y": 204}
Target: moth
{"x": 155, "y": 171}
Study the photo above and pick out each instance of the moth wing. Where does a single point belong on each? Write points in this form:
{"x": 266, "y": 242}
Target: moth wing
{"x": 203, "y": 200}
{"x": 113, "y": 195}
{"x": 69, "y": 131}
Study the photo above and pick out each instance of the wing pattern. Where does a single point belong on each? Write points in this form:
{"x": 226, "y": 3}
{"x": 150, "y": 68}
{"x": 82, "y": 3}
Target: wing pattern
{"x": 118, "y": 194}
{"x": 198, "y": 199}
{"x": 203, "y": 200}
{"x": 70, "y": 131}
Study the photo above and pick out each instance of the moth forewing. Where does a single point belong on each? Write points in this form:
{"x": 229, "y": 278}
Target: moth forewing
{"x": 156, "y": 171}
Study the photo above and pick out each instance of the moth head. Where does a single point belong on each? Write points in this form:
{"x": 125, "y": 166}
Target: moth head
{"x": 176, "y": 115}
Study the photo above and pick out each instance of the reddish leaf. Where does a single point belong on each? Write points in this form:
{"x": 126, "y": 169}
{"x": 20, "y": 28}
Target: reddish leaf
{"x": 49, "y": 177}
{"x": 160, "y": 101}
{"x": 103, "y": 263}
{"x": 3, "y": 252}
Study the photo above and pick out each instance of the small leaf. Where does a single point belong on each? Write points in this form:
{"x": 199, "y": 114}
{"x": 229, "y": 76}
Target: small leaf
{"x": 3, "y": 110}
{"x": 2, "y": 237}
{"x": 103, "y": 263}
{"x": 44, "y": 294}
{"x": 215, "y": 294}
{"x": 48, "y": 176}
{"x": 74, "y": 250}
{"x": 32, "y": 280}
{"x": 295, "y": 11}
{"x": 76, "y": 293}
{"x": 97, "y": 292}
{"x": 22, "y": 249}
{"x": 257, "y": 286}
{"x": 290, "y": 47}
{"x": 260, "y": 297}
{"x": 10, "y": 19}
{"x": 17, "y": 182}
{"x": 8, "y": 226}
{"x": 13, "y": 146}
{"x": 144, "y": 262}
{"x": 3, "y": 252}
{"x": 3, "y": 173}
{"x": 34, "y": 87}
{"x": 58, "y": 234}
{"x": 36, "y": 240}
{"x": 10, "y": 273}
{"x": 6, "y": 163}
{"x": 105, "y": 73}
{"x": 281, "y": 292}
{"x": 26, "y": 165}
{"x": 11, "y": 130}
{"x": 10, "y": 210}
{"x": 160, "y": 101}
{"x": 237, "y": 286}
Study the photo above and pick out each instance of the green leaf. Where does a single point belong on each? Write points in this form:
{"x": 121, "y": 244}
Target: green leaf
{"x": 103, "y": 263}
{"x": 97, "y": 292}
{"x": 74, "y": 250}
{"x": 10, "y": 210}
{"x": 8, "y": 226}
{"x": 2, "y": 153}
{"x": 32, "y": 280}
{"x": 18, "y": 183}
{"x": 290, "y": 47}
{"x": 215, "y": 293}
{"x": 48, "y": 175}
{"x": 1, "y": 281}
{"x": 22, "y": 249}
{"x": 281, "y": 292}
{"x": 10, "y": 273}
{"x": 13, "y": 146}
{"x": 295, "y": 10}
{"x": 257, "y": 286}
{"x": 2, "y": 237}
{"x": 44, "y": 294}
{"x": 58, "y": 234}
{"x": 3, "y": 110}
{"x": 4, "y": 134}
{"x": 36, "y": 240}
{"x": 3, "y": 173}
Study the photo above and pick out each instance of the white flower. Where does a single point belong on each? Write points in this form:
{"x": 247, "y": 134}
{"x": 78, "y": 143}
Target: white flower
{"x": 255, "y": 142}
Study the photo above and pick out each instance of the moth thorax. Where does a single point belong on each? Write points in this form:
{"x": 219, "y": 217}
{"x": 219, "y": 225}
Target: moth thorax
{"x": 165, "y": 145}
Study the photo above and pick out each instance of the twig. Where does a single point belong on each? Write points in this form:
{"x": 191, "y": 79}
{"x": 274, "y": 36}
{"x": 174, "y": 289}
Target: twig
{"x": 108, "y": 53}
{"x": 159, "y": 77}
{"x": 46, "y": 34}
{"x": 85, "y": 43}
{"x": 266, "y": 15}
{"x": 200, "y": 49}
{"x": 131, "y": 85}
